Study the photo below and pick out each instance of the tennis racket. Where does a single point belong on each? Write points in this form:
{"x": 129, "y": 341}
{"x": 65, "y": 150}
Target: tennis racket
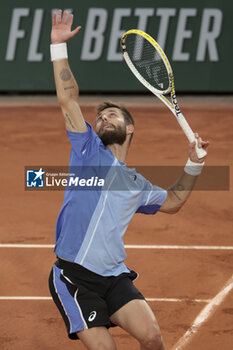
{"x": 151, "y": 67}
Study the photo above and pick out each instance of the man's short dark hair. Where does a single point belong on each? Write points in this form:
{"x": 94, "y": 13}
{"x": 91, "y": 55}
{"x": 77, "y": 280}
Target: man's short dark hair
{"x": 127, "y": 116}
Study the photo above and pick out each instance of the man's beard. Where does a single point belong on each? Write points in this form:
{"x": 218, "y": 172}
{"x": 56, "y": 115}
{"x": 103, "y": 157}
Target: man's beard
{"x": 118, "y": 136}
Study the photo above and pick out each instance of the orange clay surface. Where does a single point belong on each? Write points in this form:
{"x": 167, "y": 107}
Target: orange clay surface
{"x": 34, "y": 135}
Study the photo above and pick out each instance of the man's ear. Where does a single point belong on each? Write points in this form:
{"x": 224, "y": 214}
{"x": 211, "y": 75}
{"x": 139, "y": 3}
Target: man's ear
{"x": 129, "y": 129}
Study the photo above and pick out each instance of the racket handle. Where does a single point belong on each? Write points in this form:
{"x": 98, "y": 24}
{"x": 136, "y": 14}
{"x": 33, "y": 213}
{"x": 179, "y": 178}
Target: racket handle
{"x": 190, "y": 135}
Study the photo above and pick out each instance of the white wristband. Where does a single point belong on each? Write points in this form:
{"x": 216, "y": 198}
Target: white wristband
{"x": 192, "y": 168}
{"x": 58, "y": 51}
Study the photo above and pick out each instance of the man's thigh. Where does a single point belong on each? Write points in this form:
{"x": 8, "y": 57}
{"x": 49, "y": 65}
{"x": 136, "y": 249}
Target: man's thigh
{"x": 122, "y": 291}
{"x": 136, "y": 318}
{"x": 97, "y": 338}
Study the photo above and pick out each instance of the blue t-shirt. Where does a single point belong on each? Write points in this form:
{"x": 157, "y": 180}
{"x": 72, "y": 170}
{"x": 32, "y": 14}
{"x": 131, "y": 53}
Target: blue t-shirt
{"x": 92, "y": 221}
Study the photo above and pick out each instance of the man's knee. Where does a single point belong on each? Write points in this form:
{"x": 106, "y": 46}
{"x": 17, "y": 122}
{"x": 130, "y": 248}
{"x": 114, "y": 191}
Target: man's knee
{"x": 102, "y": 344}
{"x": 153, "y": 339}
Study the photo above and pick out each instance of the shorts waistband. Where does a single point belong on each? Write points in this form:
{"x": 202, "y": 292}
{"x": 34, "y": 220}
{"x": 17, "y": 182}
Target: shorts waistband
{"x": 74, "y": 268}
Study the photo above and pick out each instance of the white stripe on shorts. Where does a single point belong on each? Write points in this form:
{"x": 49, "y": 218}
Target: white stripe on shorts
{"x": 80, "y": 310}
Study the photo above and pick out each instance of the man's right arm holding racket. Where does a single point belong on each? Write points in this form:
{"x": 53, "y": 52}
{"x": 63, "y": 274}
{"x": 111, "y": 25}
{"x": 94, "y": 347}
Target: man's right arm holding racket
{"x": 66, "y": 86}
{"x": 180, "y": 191}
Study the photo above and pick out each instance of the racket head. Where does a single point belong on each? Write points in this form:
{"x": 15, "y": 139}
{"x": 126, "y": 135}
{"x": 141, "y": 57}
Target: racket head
{"x": 147, "y": 61}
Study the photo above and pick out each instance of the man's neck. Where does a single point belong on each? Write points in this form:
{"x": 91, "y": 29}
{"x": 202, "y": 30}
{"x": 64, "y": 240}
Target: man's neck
{"x": 119, "y": 151}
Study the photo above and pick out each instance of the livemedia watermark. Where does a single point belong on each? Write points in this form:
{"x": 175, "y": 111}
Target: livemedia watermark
{"x": 119, "y": 178}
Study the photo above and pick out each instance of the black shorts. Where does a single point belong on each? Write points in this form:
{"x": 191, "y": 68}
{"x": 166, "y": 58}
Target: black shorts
{"x": 86, "y": 299}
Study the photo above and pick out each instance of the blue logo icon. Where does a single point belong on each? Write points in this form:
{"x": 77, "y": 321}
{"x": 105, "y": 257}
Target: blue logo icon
{"x": 35, "y": 178}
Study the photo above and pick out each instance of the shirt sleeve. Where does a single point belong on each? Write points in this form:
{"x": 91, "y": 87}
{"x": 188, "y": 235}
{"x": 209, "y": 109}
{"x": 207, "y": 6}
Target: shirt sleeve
{"x": 152, "y": 198}
{"x": 85, "y": 143}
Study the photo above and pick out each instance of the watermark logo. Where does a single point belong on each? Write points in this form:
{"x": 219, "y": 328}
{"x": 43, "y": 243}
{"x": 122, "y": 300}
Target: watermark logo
{"x": 35, "y": 178}
{"x": 117, "y": 178}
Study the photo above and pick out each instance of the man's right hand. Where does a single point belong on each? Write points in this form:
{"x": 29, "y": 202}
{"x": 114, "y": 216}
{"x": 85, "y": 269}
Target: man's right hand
{"x": 61, "y": 28}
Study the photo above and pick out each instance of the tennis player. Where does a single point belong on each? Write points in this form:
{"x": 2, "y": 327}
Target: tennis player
{"x": 90, "y": 283}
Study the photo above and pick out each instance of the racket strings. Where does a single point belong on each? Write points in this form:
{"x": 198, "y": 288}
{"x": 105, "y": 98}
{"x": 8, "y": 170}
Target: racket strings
{"x": 147, "y": 61}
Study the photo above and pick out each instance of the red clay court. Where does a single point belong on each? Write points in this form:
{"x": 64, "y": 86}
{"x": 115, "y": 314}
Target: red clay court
{"x": 184, "y": 260}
